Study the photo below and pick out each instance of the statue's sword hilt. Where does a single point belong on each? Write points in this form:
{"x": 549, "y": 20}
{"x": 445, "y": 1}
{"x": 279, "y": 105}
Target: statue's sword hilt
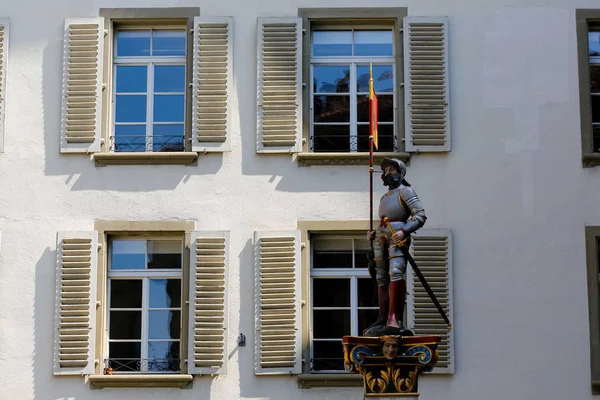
{"x": 404, "y": 249}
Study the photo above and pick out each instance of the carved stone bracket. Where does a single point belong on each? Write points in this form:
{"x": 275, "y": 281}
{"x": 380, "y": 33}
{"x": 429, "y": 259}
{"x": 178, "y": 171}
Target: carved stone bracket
{"x": 390, "y": 365}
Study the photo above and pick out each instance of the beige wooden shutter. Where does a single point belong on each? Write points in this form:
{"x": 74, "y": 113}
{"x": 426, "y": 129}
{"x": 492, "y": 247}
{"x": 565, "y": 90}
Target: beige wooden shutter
{"x": 75, "y": 313}
{"x": 4, "y": 25}
{"x": 212, "y": 84}
{"x": 426, "y": 85}
{"x": 277, "y": 303}
{"x": 432, "y": 252}
{"x": 207, "y": 342}
{"x": 82, "y": 85}
{"x": 279, "y": 119}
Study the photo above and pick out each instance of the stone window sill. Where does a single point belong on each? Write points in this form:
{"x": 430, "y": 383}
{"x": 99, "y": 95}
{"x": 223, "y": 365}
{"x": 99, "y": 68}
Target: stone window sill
{"x": 141, "y": 381}
{"x": 591, "y": 160}
{"x": 308, "y": 381}
{"x": 166, "y": 158}
{"x": 362, "y": 158}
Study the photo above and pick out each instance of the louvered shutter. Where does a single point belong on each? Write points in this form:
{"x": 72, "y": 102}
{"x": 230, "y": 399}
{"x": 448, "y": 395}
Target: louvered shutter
{"x": 277, "y": 303}
{"x": 432, "y": 252}
{"x": 426, "y": 84}
{"x": 212, "y": 84}
{"x": 75, "y": 313}
{"x": 207, "y": 342}
{"x": 279, "y": 119}
{"x": 82, "y": 85}
{"x": 4, "y": 25}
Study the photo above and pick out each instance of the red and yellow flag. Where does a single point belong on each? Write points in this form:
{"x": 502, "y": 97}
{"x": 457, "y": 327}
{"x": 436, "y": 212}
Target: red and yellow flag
{"x": 372, "y": 109}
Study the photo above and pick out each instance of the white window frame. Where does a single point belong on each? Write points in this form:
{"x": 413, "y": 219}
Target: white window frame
{"x": 353, "y": 93}
{"x": 150, "y": 62}
{"x": 144, "y": 275}
{"x": 331, "y": 273}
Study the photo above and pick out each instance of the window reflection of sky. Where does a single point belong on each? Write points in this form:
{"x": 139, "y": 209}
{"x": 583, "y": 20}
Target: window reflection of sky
{"x": 347, "y": 43}
{"x": 594, "y": 43}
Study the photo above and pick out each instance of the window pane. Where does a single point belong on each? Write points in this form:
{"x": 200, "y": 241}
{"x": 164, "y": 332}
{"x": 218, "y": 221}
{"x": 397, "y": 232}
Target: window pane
{"x": 168, "y": 138}
{"x": 169, "y": 78}
{"x": 164, "y": 356}
{"x": 596, "y": 134}
{"x": 385, "y": 108}
{"x": 132, "y": 78}
{"x": 168, "y": 108}
{"x": 124, "y": 356}
{"x": 373, "y": 43}
{"x": 165, "y": 293}
{"x": 332, "y": 108}
{"x": 128, "y": 254}
{"x": 595, "y": 78}
{"x": 331, "y": 292}
{"x": 168, "y": 43}
{"x": 125, "y": 324}
{"x": 125, "y": 293}
{"x": 365, "y": 319}
{"x": 596, "y": 108}
{"x": 332, "y": 43}
{"x": 385, "y": 134}
{"x": 327, "y": 356}
{"x": 130, "y": 108}
{"x": 332, "y": 253}
{"x": 594, "y": 43}
{"x": 335, "y": 138}
{"x": 331, "y": 324}
{"x": 164, "y": 324}
{"x": 164, "y": 253}
{"x": 331, "y": 79}
{"x": 133, "y": 43}
{"x": 130, "y": 138}
{"x": 361, "y": 248}
{"x": 383, "y": 78}
{"x": 367, "y": 293}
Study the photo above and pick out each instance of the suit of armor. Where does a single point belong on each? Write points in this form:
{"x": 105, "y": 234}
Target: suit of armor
{"x": 402, "y": 208}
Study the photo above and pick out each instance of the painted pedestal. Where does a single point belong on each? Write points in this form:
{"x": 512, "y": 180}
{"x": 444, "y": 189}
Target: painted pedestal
{"x": 390, "y": 365}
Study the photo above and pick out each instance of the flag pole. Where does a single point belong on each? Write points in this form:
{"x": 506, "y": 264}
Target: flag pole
{"x": 371, "y": 139}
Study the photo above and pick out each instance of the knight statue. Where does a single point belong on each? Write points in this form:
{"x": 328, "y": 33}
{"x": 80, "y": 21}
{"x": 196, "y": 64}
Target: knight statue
{"x": 401, "y": 214}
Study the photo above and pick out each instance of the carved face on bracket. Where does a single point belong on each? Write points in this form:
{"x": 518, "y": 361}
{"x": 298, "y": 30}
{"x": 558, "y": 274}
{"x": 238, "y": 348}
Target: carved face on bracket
{"x": 390, "y": 349}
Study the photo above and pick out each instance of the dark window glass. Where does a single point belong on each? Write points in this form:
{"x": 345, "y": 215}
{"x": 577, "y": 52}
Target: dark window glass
{"x": 331, "y": 108}
{"x": 331, "y": 324}
{"x": 327, "y": 356}
{"x": 124, "y": 356}
{"x": 385, "y": 134}
{"x": 126, "y": 293}
{"x": 331, "y": 292}
{"x": 331, "y": 138}
{"x": 125, "y": 324}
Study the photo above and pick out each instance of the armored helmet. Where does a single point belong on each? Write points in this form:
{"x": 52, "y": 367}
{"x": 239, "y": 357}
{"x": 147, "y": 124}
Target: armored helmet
{"x": 399, "y": 165}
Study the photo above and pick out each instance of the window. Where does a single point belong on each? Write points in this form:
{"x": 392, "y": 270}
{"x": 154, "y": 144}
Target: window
{"x": 340, "y": 62}
{"x": 141, "y": 297}
{"x": 344, "y": 297}
{"x": 147, "y": 86}
{"x": 313, "y": 84}
{"x": 592, "y": 235}
{"x": 588, "y": 37}
{"x": 144, "y": 313}
{"x": 149, "y": 89}
{"x": 594, "y": 54}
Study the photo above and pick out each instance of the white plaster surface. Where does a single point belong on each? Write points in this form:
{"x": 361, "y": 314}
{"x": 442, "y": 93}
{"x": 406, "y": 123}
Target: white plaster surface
{"x": 512, "y": 190}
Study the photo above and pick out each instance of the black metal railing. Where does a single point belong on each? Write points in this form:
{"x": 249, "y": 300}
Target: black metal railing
{"x": 347, "y": 143}
{"x": 139, "y": 143}
{"x": 116, "y": 365}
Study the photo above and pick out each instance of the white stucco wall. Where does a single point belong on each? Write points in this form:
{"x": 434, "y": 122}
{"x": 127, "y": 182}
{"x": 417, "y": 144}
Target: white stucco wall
{"x": 512, "y": 190}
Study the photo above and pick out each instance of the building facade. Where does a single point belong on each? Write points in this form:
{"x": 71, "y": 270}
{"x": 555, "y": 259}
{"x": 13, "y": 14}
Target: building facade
{"x": 185, "y": 194}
